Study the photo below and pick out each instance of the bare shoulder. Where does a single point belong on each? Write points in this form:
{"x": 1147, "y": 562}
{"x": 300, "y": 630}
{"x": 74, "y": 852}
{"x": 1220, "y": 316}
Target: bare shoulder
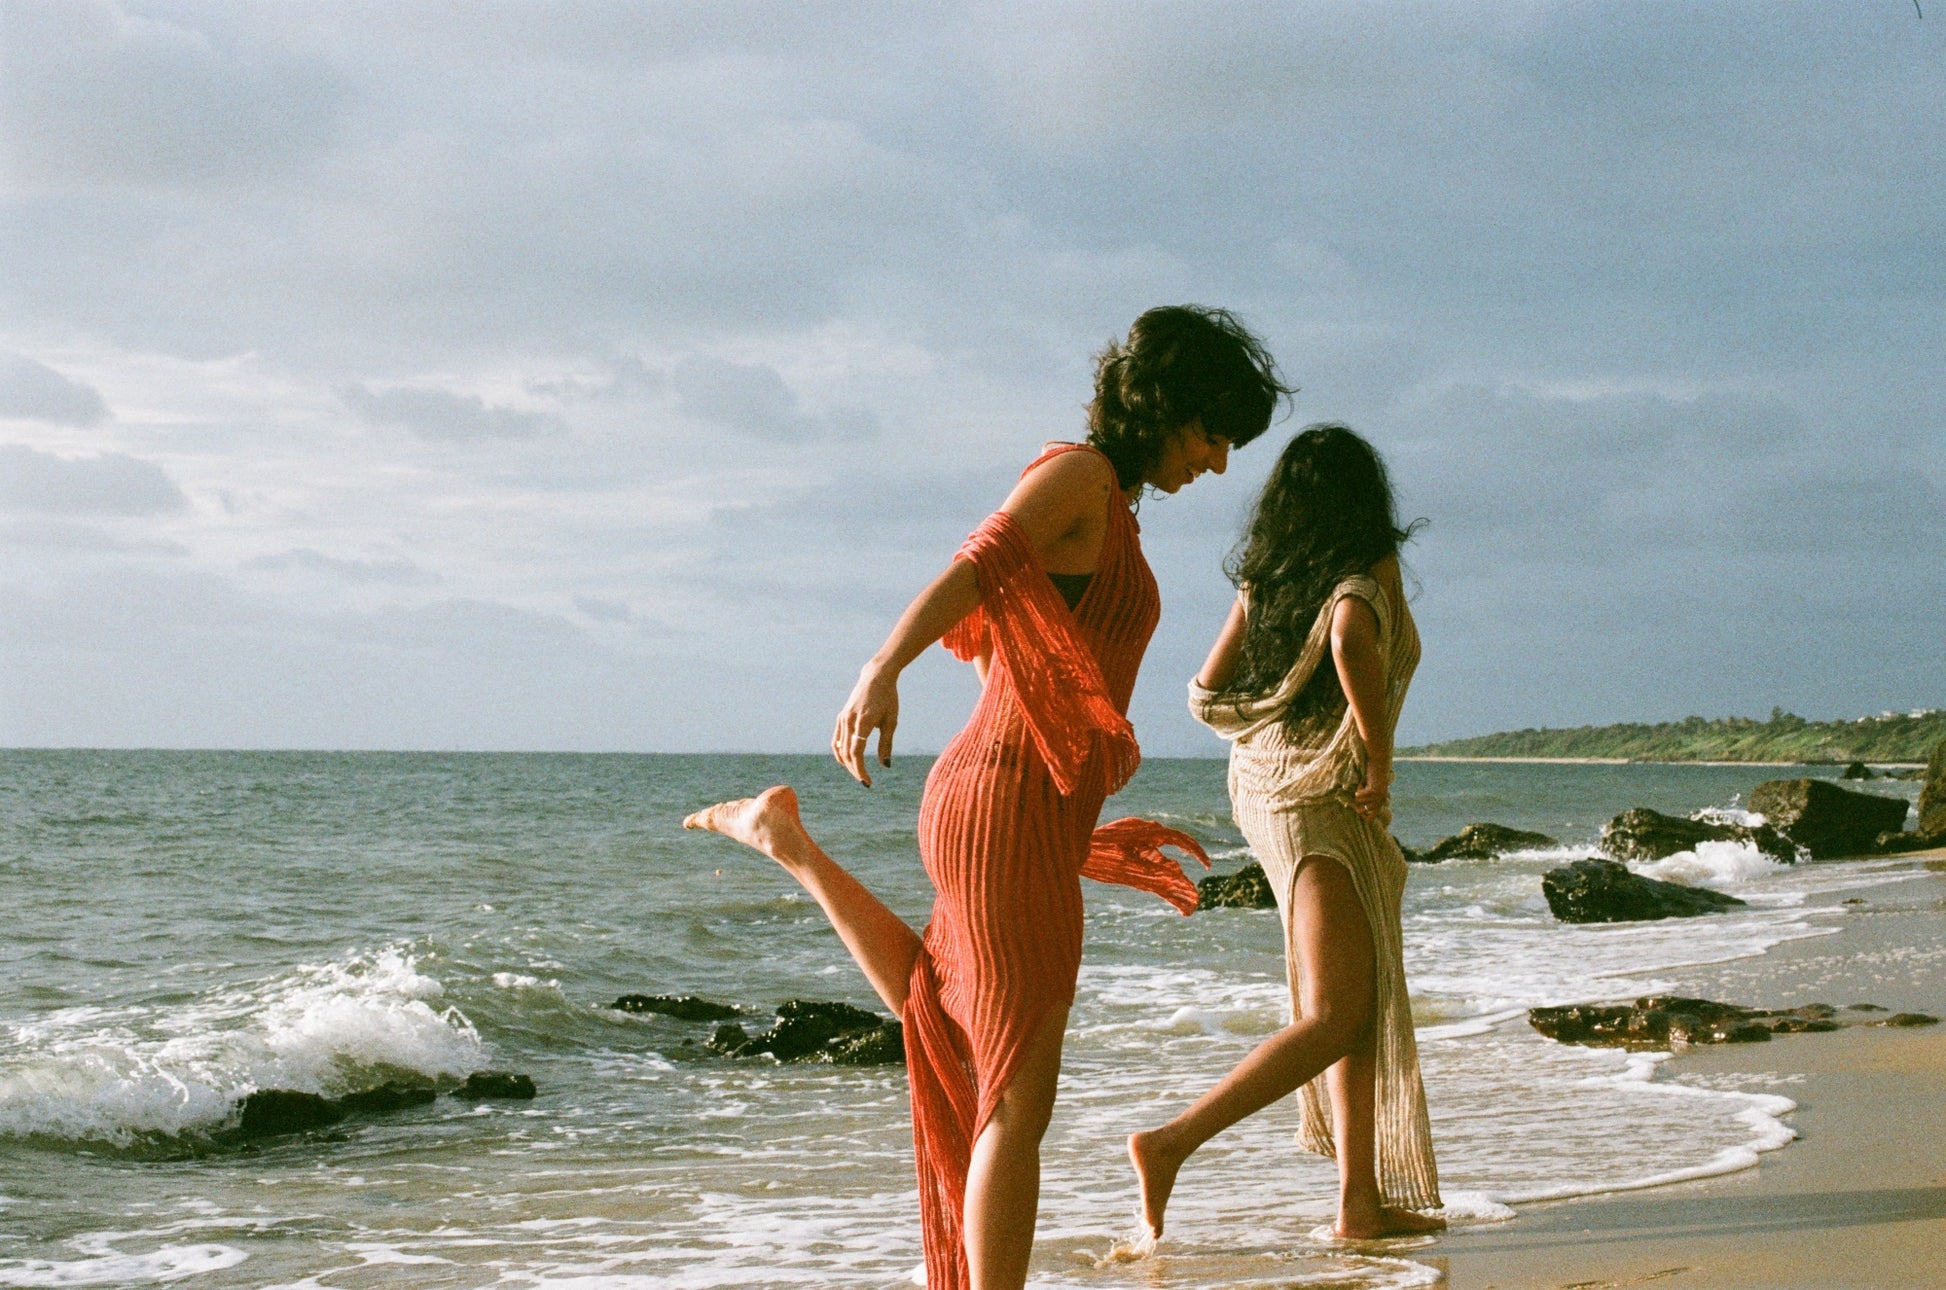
{"x": 1085, "y": 466}
{"x": 1075, "y": 477}
{"x": 1391, "y": 580}
{"x": 1353, "y": 623}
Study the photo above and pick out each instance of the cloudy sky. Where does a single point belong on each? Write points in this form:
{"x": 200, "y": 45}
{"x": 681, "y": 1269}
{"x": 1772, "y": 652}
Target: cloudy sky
{"x": 607, "y": 375}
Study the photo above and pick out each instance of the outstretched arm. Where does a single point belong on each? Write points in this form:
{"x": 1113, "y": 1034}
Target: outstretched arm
{"x": 1361, "y": 674}
{"x": 1062, "y": 506}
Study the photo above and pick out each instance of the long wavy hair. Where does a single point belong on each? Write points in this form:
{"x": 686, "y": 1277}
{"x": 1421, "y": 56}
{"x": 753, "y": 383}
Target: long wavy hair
{"x": 1326, "y": 513}
{"x": 1180, "y": 363}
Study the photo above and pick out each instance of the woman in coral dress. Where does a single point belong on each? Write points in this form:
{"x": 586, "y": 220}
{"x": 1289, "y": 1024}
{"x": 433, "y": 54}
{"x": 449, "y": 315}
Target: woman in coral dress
{"x": 1053, "y": 603}
{"x": 1306, "y": 680}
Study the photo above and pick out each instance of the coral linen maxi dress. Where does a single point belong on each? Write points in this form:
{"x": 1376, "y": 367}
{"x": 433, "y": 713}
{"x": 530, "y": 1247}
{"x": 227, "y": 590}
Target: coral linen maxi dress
{"x": 1007, "y": 831}
{"x": 1291, "y": 793}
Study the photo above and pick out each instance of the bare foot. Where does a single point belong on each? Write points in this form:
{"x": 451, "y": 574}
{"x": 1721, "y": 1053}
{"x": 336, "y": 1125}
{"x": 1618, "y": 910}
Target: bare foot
{"x": 1155, "y": 1171}
{"x": 1371, "y": 1225}
{"x": 767, "y": 822}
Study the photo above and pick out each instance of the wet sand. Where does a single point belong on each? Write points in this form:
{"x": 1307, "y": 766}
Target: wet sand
{"x": 1858, "y": 1201}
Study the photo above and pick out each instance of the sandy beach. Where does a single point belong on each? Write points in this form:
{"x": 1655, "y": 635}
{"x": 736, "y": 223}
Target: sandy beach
{"x": 1859, "y": 1200}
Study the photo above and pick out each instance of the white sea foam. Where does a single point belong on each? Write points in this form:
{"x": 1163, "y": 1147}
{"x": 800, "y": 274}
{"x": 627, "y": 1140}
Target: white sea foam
{"x": 118, "y": 1075}
{"x": 101, "y": 1264}
{"x": 1714, "y": 864}
{"x": 1729, "y": 815}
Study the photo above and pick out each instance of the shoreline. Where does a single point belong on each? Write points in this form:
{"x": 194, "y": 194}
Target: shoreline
{"x": 1642, "y": 761}
{"x": 1858, "y": 1200}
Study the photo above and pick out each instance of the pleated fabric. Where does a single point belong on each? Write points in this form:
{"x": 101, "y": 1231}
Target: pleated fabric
{"x": 1007, "y": 831}
{"x": 1291, "y": 795}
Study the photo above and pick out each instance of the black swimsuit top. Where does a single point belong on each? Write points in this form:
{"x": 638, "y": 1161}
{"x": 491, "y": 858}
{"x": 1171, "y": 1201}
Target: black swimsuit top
{"x": 1072, "y": 586}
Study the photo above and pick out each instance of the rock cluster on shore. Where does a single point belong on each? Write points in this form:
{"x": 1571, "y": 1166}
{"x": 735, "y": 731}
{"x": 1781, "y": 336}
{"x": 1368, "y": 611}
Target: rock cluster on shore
{"x": 810, "y": 1031}
{"x": 270, "y": 1112}
{"x": 805, "y": 1030}
{"x": 1643, "y": 834}
{"x": 1932, "y": 795}
{"x": 1659, "y": 1021}
{"x": 1481, "y": 842}
{"x": 1247, "y": 888}
{"x": 1605, "y": 891}
{"x": 1826, "y": 820}
{"x": 683, "y": 1007}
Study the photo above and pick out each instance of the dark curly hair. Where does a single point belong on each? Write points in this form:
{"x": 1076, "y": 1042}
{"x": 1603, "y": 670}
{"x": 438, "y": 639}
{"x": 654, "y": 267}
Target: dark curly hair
{"x": 1179, "y": 363}
{"x": 1326, "y": 513}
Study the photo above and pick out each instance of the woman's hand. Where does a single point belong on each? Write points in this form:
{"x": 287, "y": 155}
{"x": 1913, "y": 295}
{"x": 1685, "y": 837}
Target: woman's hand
{"x": 873, "y": 705}
{"x": 1372, "y": 800}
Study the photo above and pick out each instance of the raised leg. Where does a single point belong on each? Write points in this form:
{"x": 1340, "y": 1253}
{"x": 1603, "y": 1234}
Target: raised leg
{"x": 884, "y": 946}
{"x": 1337, "y": 980}
{"x": 1003, "y": 1183}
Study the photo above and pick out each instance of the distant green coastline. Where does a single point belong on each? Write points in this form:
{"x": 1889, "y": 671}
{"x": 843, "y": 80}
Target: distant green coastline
{"x": 1786, "y": 737}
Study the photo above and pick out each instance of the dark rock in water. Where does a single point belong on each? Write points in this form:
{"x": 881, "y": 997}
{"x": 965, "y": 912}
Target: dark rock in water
{"x": 1604, "y": 891}
{"x": 810, "y": 1031}
{"x": 683, "y": 1007}
{"x": 1795, "y": 1026}
{"x": 884, "y": 1046}
{"x": 280, "y": 1110}
{"x": 1411, "y": 856}
{"x": 1891, "y": 844}
{"x": 394, "y": 1095}
{"x": 496, "y": 1084}
{"x": 1642, "y": 834}
{"x": 730, "y": 1041}
{"x": 1658, "y": 1021}
{"x": 1856, "y": 770}
{"x": 1908, "y": 1019}
{"x": 1932, "y": 794}
{"x": 1863, "y": 1007}
{"x": 1827, "y": 820}
{"x": 1247, "y": 888}
{"x": 1484, "y": 842}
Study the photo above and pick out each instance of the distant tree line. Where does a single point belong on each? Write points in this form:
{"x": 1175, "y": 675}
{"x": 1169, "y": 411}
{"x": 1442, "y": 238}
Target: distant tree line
{"x": 1906, "y": 737}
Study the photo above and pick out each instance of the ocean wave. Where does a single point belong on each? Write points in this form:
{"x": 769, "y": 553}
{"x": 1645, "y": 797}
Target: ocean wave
{"x": 122, "y": 1076}
{"x": 1714, "y": 864}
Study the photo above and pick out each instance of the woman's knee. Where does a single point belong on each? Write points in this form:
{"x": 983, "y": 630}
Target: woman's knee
{"x": 1340, "y": 1020}
{"x": 1334, "y": 944}
{"x": 1027, "y": 1103}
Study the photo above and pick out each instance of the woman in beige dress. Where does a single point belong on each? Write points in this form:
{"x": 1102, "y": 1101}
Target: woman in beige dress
{"x": 1306, "y": 680}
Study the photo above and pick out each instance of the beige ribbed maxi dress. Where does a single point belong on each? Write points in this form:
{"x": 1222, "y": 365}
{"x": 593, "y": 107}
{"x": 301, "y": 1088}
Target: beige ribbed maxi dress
{"x": 1291, "y": 793}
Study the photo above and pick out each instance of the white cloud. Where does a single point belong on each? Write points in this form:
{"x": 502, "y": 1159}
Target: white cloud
{"x": 441, "y": 414}
{"x": 753, "y": 399}
{"x": 603, "y": 611}
{"x": 93, "y": 93}
{"x": 305, "y": 560}
{"x": 34, "y": 391}
{"x": 109, "y": 483}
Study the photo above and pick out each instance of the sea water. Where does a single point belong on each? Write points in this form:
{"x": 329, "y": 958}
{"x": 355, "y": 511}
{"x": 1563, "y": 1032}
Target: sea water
{"x": 183, "y": 928}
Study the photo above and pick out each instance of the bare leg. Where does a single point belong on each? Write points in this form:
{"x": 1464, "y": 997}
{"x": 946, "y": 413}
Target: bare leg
{"x": 1362, "y": 1213}
{"x": 1003, "y": 1184}
{"x": 885, "y": 947}
{"x": 1337, "y": 978}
